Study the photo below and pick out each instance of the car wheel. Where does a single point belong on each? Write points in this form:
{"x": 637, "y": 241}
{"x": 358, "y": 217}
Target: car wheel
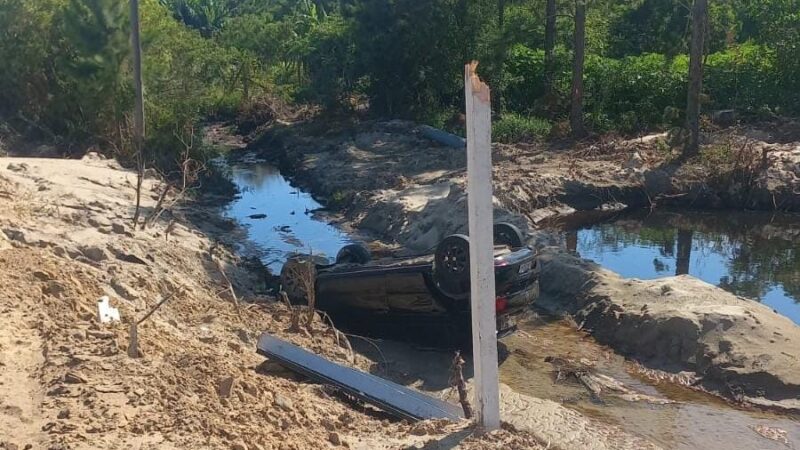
{"x": 353, "y": 254}
{"x": 508, "y": 234}
{"x": 451, "y": 266}
{"x": 297, "y": 275}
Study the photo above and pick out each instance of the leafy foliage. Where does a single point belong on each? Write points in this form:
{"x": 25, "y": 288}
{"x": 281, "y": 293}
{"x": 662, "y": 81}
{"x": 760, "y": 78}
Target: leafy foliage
{"x": 66, "y": 73}
{"x": 206, "y": 16}
{"x": 411, "y": 53}
{"x": 69, "y": 74}
{"x": 514, "y": 128}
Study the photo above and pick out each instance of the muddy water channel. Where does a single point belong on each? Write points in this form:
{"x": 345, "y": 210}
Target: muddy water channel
{"x": 279, "y": 218}
{"x": 670, "y": 415}
{"x": 752, "y": 254}
{"x": 757, "y": 258}
{"x": 691, "y": 419}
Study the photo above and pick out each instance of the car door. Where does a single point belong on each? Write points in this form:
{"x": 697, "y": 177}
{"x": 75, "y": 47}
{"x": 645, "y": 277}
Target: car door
{"x": 363, "y": 289}
{"x": 407, "y": 292}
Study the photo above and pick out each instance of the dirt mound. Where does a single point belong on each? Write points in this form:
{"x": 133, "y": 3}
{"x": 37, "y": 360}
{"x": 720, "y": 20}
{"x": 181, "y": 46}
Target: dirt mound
{"x": 387, "y": 178}
{"x": 736, "y": 346}
{"x": 66, "y": 380}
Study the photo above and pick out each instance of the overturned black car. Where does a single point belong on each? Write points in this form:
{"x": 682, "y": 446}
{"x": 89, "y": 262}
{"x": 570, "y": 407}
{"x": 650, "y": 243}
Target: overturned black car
{"x": 424, "y": 298}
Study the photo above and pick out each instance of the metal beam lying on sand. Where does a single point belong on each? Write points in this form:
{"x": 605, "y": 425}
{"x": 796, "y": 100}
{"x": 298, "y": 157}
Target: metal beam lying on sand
{"x": 395, "y": 399}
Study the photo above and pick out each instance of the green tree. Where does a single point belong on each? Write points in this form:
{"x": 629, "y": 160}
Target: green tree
{"x": 776, "y": 23}
{"x": 699, "y": 14}
{"x": 412, "y": 54}
{"x": 578, "y": 60}
{"x": 97, "y": 35}
{"x": 26, "y": 45}
{"x": 206, "y": 16}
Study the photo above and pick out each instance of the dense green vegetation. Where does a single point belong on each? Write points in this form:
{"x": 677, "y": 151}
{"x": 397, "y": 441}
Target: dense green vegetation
{"x": 66, "y": 72}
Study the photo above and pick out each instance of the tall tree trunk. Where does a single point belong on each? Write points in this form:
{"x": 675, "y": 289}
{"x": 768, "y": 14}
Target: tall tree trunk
{"x": 684, "y": 253}
{"x": 699, "y": 13}
{"x": 549, "y": 51}
{"x": 501, "y": 13}
{"x": 138, "y": 112}
{"x": 572, "y": 241}
{"x": 576, "y": 111}
{"x": 498, "y": 80}
{"x": 462, "y": 19}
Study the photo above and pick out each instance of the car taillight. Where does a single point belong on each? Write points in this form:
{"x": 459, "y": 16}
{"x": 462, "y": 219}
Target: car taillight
{"x": 500, "y": 304}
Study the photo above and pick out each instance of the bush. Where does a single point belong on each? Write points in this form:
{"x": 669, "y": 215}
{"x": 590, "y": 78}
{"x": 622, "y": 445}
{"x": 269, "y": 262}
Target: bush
{"x": 259, "y": 34}
{"x": 633, "y": 93}
{"x": 515, "y": 128}
{"x": 187, "y": 78}
{"x": 629, "y": 94}
{"x": 67, "y": 70}
{"x": 61, "y": 64}
{"x": 637, "y": 93}
{"x": 525, "y": 77}
{"x": 412, "y": 55}
{"x": 330, "y": 62}
{"x": 745, "y": 78}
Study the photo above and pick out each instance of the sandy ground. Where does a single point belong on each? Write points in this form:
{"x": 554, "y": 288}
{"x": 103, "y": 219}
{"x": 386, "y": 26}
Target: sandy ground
{"x": 66, "y": 380}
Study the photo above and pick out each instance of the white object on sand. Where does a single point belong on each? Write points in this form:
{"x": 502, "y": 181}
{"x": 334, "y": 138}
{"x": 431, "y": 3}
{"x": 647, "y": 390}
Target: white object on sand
{"x": 105, "y": 312}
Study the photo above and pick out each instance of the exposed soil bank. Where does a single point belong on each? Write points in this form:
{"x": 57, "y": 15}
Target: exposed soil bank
{"x": 66, "y": 381}
{"x": 735, "y": 346}
{"x": 386, "y": 177}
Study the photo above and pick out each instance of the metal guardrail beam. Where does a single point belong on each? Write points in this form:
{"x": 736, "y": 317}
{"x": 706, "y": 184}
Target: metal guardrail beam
{"x": 395, "y": 399}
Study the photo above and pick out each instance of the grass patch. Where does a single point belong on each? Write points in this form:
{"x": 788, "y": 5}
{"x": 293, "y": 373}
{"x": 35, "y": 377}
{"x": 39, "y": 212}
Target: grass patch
{"x": 515, "y": 128}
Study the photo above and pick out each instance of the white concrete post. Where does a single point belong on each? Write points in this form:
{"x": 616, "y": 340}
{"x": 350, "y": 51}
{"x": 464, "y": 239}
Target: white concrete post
{"x": 481, "y": 248}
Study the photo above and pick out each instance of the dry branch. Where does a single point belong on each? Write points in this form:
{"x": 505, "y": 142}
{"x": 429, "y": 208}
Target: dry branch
{"x": 294, "y": 314}
{"x": 343, "y": 336}
{"x": 190, "y": 171}
{"x": 303, "y": 272}
{"x": 457, "y": 381}
{"x": 133, "y": 345}
{"x": 234, "y": 298}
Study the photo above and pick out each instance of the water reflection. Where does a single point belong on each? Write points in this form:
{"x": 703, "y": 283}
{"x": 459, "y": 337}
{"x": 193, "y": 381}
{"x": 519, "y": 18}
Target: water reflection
{"x": 755, "y": 255}
{"x": 279, "y": 218}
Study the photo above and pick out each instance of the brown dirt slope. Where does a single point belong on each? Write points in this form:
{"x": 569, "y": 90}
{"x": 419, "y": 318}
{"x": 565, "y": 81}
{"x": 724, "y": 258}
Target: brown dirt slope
{"x": 389, "y": 179}
{"x": 66, "y": 380}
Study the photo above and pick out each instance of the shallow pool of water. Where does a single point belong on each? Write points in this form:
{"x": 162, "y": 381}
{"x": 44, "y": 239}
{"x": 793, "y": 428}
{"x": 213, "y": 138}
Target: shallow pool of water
{"x": 754, "y": 255}
{"x": 695, "y": 420}
{"x": 279, "y": 218}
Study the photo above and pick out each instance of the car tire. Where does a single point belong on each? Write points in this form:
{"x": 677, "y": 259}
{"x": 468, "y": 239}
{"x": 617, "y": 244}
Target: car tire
{"x": 508, "y": 234}
{"x": 294, "y": 275}
{"x": 451, "y": 266}
{"x": 353, "y": 254}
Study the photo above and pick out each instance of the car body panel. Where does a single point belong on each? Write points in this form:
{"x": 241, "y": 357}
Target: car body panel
{"x": 403, "y": 290}
{"x": 335, "y": 291}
